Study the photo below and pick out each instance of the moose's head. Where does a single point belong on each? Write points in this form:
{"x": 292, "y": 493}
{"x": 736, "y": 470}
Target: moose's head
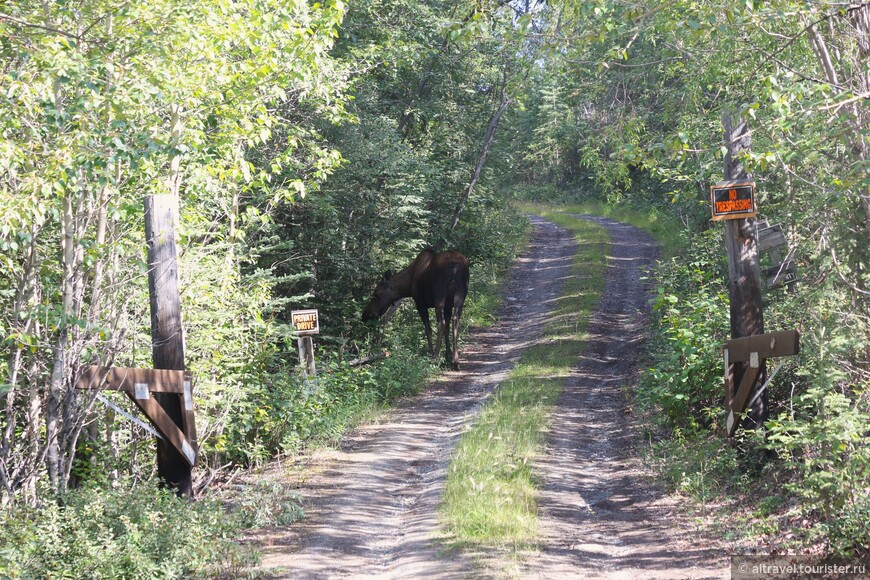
{"x": 384, "y": 296}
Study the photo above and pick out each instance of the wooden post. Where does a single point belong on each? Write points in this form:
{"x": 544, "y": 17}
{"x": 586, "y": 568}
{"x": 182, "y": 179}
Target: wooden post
{"x": 167, "y": 338}
{"x": 306, "y": 355}
{"x": 744, "y": 278}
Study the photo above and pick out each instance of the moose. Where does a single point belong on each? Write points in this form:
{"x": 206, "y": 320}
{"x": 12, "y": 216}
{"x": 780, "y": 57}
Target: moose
{"x": 433, "y": 280}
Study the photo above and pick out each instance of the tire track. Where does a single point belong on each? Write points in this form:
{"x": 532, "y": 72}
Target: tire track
{"x": 601, "y": 515}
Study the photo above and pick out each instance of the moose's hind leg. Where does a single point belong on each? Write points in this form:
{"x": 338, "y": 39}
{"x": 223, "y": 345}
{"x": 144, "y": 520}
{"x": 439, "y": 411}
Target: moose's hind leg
{"x": 457, "y": 314}
{"x": 427, "y": 327}
{"x": 441, "y": 323}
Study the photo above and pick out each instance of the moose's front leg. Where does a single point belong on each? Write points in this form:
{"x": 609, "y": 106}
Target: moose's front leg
{"x": 427, "y": 327}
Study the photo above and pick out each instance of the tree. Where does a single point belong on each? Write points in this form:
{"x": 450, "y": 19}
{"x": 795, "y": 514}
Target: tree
{"x": 103, "y": 103}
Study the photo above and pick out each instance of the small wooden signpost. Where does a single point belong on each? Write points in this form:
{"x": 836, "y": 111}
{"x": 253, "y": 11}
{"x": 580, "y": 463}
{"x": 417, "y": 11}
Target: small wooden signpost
{"x": 307, "y": 323}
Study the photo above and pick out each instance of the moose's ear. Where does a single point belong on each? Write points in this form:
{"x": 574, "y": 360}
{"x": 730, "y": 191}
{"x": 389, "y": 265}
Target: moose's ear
{"x": 387, "y": 275}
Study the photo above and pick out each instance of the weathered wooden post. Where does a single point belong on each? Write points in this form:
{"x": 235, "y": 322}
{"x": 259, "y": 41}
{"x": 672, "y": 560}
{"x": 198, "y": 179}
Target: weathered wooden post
{"x": 744, "y": 279}
{"x": 167, "y": 338}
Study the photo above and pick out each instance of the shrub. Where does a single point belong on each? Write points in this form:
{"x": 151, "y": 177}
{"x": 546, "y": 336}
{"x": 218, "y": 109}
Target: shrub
{"x": 267, "y": 503}
{"x": 289, "y": 412}
{"x": 825, "y": 440}
{"x": 691, "y": 315}
{"x": 694, "y": 462}
{"x": 143, "y": 532}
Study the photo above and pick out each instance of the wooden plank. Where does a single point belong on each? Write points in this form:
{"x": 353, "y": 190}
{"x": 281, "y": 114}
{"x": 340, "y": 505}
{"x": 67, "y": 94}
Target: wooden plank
{"x": 729, "y": 381}
{"x": 167, "y": 427}
{"x": 785, "y": 273}
{"x": 125, "y": 379}
{"x": 750, "y": 377}
{"x": 770, "y": 238}
{"x": 188, "y": 418}
{"x": 770, "y": 345}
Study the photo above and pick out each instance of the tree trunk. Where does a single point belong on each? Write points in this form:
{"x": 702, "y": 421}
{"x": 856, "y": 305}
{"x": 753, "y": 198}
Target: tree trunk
{"x": 859, "y": 84}
{"x": 861, "y": 23}
{"x": 21, "y": 470}
{"x": 57, "y": 382}
{"x": 481, "y": 160}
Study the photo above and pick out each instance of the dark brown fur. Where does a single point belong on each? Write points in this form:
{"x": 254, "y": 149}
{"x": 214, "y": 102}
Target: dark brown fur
{"x": 438, "y": 281}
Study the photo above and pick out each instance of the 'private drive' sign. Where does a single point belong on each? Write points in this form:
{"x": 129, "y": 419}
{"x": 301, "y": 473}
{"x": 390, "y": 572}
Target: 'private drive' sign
{"x": 305, "y": 321}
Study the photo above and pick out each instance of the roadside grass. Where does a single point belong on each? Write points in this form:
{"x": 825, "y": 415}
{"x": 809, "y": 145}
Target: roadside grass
{"x": 490, "y": 498}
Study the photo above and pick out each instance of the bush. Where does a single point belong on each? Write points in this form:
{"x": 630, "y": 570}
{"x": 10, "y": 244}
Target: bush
{"x": 290, "y": 412}
{"x": 691, "y": 315}
{"x": 142, "y": 532}
{"x": 825, "y": 440}
{"x": 695, "y": 462}
{"x": 267, "y": 503}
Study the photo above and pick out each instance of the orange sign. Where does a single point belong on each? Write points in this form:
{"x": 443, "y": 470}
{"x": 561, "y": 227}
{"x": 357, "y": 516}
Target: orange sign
{"x": 733, "y": 200}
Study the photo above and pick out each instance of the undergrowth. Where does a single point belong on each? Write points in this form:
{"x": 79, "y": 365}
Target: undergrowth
{"x": 803, "y": 482}
{"x": 122, "y": 532}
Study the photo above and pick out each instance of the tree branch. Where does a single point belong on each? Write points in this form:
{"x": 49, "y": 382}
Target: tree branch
{"x": 26, "y": 24}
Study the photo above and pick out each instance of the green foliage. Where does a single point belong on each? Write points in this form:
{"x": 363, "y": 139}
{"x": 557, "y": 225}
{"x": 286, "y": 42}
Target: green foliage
{"x": 211, "y": 101}
{"x": 142, "y": 532}
{"x": 267, "y": 504}
{"x": 691, "y": 316}
{"x": 825, "y": 441}
{"x": 290, "y": 411}
{"x": 695, "y": 462}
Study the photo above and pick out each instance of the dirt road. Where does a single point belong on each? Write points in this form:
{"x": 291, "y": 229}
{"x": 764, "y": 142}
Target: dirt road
{"x": 601, "y": 516}
{"x": 371, "y": 506}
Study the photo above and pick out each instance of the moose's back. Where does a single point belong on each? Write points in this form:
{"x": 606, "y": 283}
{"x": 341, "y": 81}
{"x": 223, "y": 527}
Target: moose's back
{"x": 439, "y": 277}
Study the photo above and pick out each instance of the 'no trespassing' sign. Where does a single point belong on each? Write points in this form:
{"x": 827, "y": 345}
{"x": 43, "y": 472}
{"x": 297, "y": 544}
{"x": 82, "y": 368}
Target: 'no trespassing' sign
{"x": 733, "y": 200}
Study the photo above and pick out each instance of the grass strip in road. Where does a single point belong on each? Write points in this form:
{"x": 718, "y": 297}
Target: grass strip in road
{"x": 490, "y": 497}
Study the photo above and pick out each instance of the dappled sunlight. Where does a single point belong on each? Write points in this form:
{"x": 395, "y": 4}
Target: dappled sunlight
{"x": 373, "y": 510}
{"x": 599, "y": 510}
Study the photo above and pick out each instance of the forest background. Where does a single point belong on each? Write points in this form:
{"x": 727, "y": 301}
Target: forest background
{"x": 314, "y": 145}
